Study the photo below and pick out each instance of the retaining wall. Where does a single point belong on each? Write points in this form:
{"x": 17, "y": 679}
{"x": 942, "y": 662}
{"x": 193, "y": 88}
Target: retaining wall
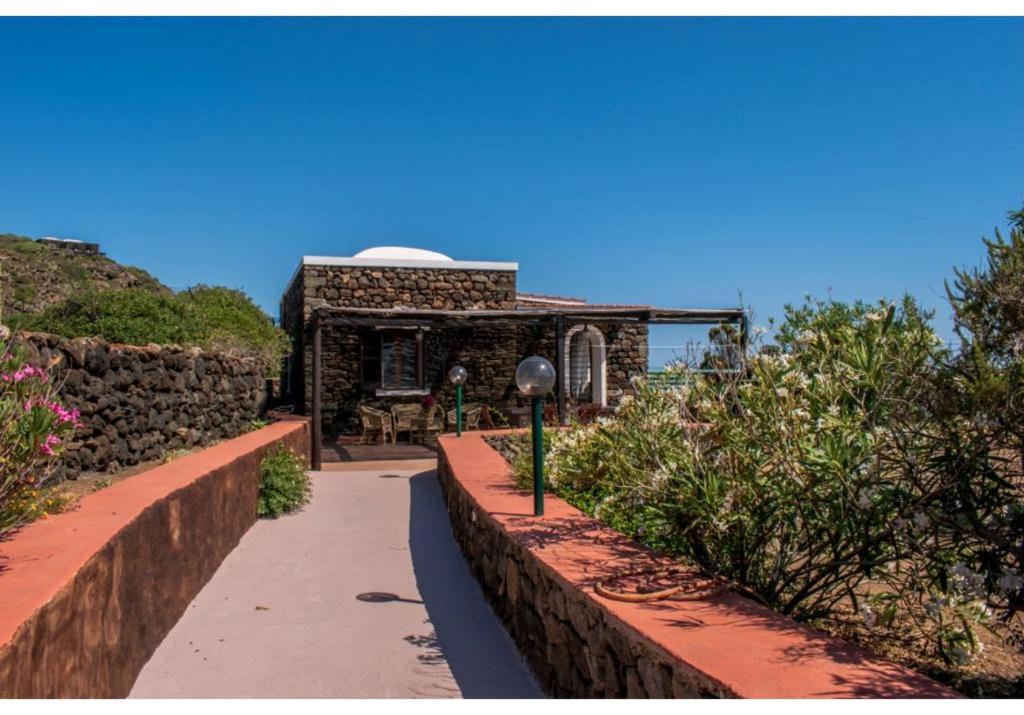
{"x": 539, "y": 574}
{"x": 87, "y": 596}
{"x": 140, "y": 402}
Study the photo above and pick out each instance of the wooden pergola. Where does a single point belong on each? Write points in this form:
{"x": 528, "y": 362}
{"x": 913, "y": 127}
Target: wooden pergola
{"x": 559, "y": 317}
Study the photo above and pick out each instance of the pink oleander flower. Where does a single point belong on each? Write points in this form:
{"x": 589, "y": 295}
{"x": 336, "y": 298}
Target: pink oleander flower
{"x": 63, "y": 415}
{"x": 48, "y": 444}
{"x": 24, "y": 373}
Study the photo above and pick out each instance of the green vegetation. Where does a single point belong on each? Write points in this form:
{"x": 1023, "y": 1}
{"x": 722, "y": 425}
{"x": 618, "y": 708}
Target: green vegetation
{"x": 34, "y": 430}
{"x": 210, "y": 317}
{"x": 284, "y": 483}
{"x": 22, "y": 245}
{"x": 859, "y": 467}
{"x": 33, "y": 276}
{"x": 256, "y": 424}
{"x": 131, "y": 316}
{"x": 80, "y": 295}
{"x": 230, "y": 322}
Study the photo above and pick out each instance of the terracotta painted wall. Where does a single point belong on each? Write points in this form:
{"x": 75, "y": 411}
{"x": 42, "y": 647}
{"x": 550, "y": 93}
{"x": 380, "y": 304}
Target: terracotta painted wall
{"x": 87, "y": 596}
{"x": 539, "y": 576}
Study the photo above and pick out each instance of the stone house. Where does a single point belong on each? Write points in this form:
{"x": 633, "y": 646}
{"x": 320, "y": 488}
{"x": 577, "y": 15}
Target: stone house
{"x": 393, "y": 321}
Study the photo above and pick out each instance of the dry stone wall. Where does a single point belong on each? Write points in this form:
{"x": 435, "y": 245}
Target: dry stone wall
{"x": 575, "y": 649}
{"x": 434, "y": 288}
{"x": 140, "y": 402}
{"x": 539, "y": 575}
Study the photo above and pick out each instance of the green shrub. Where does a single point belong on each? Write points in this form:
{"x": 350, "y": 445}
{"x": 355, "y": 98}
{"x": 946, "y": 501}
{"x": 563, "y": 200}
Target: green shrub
{"x": 518, "y": 449}
{"x": 284, "y": 483}
{"x": 21, "y": 245}
{"x": 230, "y": 322}
{"x": 215, "y": 318}
{"x": 132, "y": 316}
{"x": 820, "y": 478}
{"x": 24, "y": 292}
{"x": 256, "y": 424}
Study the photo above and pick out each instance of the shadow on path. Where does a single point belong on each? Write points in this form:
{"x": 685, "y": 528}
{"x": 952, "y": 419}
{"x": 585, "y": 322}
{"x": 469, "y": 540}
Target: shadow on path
{"x": 481, "y": 655}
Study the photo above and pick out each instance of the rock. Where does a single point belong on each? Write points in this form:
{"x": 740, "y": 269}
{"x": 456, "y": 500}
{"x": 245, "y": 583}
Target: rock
{"x": 134, "y": 399}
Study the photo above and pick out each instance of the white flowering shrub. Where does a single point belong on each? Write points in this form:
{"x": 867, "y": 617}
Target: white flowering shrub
{"x": 816, "y": 471}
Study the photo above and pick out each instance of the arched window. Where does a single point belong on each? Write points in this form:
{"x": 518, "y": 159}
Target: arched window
{"x": 581, "y": 380}
{"x": 584, "y": 368}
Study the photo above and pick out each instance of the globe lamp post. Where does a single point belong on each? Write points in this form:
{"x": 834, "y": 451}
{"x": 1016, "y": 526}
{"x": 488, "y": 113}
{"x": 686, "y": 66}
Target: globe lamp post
{"x": 458, "y": 377}
{"x": 535, "y": 377}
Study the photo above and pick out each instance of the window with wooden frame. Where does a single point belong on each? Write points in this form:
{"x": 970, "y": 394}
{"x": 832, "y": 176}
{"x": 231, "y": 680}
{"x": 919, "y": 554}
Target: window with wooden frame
{"x": 392, "y": 361}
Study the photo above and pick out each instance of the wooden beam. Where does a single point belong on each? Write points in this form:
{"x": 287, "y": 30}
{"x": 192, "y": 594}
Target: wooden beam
{"x": 744, "y": 338}
{"x": 317, "y": 427}
{"x": 386, "y": 320}
{"x": 417, "y": 316}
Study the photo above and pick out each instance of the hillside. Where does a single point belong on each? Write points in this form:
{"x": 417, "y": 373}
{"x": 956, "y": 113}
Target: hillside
{"x": 34, "y": 276}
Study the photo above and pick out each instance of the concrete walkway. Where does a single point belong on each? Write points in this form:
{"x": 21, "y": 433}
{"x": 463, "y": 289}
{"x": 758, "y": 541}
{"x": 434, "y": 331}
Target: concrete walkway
{"x": 363, "y": 594}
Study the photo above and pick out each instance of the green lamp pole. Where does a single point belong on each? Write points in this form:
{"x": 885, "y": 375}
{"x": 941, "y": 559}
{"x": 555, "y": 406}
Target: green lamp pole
{"x": 535, "y": 377}
{"x": 458, "y": 377}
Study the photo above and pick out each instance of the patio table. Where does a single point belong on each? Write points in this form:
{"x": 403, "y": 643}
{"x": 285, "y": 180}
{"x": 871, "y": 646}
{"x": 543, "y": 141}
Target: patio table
{"x": 422, "y": 430}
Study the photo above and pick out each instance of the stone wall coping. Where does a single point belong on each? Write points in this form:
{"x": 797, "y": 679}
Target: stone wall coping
{"x": 747, "y": 649}
{"x": 53, "y": 339}
{"x": 40, "y": 559}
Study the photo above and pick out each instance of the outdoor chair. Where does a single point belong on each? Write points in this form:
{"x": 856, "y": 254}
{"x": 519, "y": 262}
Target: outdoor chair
{"x": 375, "y": 421}
{"x": 430, "y": 423}
{"x": 470, "y": 416}
{"x": 405, "y": 417}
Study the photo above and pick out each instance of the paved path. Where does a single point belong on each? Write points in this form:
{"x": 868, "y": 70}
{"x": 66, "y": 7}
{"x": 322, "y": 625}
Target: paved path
{"x": 282, "y": 617}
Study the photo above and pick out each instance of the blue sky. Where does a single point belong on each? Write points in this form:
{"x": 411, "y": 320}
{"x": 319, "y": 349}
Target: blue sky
{"x": 676, "y": 162}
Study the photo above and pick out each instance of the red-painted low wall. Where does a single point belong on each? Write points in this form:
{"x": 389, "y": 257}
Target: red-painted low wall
{"x": 539, "y": 574}
{"x": 87, "y": 596}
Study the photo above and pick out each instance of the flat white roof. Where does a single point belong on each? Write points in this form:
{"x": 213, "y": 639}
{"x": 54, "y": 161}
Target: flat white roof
{"x": 373, "y": 261}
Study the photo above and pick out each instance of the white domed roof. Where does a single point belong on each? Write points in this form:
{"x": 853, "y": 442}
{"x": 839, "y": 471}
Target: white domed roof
{"x": 401, "y": 253}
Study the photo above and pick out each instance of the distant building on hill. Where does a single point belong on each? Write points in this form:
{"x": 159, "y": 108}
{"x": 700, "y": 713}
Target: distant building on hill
{"x": 70, "y": 244}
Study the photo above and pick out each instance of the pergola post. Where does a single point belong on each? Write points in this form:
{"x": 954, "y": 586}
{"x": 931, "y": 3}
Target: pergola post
{"x": 315, "y": 451}
{"x": 744, "y": 336}
{"x": 563, "y": 412}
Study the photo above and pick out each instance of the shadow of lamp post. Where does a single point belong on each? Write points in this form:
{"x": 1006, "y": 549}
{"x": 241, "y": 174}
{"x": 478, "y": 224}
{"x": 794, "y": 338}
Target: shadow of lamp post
{"x": 535, "y": 377}
{"x": 458, "y": 376}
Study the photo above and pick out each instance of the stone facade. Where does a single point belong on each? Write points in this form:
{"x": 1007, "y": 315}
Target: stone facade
{"x": 139, "y": 402}
{"x": 489, "y": 354}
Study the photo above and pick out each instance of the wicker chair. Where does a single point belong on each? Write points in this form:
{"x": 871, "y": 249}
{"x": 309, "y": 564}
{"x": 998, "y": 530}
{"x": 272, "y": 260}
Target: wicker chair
{"x": 404, "y": 418}
{"x": 431, "y": 423}
{"x": 375, "y": 421}
{"x": 470, "y": 416}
